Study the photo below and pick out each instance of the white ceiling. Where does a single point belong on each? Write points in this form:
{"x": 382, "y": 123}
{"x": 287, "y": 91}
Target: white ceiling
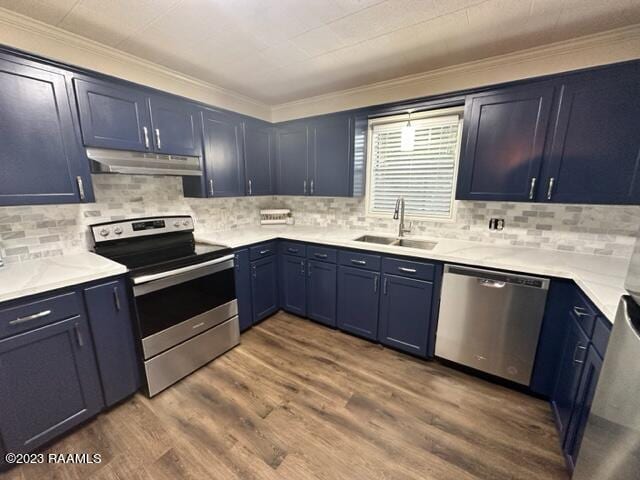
{"x": 278, "y": 51}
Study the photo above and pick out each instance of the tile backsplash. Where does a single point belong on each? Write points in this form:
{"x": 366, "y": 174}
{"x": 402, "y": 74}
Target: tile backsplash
{"x": 29, "y": 232}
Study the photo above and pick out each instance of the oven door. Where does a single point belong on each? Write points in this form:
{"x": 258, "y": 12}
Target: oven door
{"x": 176, "y": 305}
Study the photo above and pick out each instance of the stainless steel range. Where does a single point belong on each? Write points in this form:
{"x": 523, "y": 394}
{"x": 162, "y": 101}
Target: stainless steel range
{"x": 184, "y": 291}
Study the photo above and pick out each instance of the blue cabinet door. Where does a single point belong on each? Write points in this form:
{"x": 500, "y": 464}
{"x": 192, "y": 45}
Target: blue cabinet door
{"x": 41, "y": 159}
{"x": 584, "y": 399}
{"x": 358, "y": 296}
{"x": 264, "y": 287}
{"x": 405, "y": 313}
{"x": 48, "y": 383}
{"x": 175, "y": 124}
{"x": 595, "y": 150}
{"x": 243, "y": 288}
{"x": 574, "y": 353}
{"x": 259, "y": 158}
{"x": 113, "y": 116}
{"x": 110, "y": 319}
{"x": 293, "y": 290}
{"x": 503, "y": 143}
{"x": 330, "y": 162}
{"x": 322, "y": 292}
{"x": 292, "y": 158}
{"x": 223, "y": 155}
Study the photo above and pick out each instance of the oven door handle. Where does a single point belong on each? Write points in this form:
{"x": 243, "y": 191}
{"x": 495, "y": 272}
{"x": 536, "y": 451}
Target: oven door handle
{"x": 179, "y": 271}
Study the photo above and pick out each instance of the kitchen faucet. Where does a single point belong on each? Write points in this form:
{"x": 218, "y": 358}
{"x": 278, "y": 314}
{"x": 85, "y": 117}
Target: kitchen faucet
{"x": 399, "y": 213}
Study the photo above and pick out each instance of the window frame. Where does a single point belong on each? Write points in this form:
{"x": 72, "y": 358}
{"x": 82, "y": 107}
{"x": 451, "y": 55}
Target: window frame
{"x": 397, "y": 118}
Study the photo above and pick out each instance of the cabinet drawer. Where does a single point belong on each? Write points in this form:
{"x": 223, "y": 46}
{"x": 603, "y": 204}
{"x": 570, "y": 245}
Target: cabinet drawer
{"x": 601, "y": 333}
{"x": 262, "y": 250}
{"x": 322, "y": 254}
{"x": 293, "y": 248}
{"x": 359, "y": 260}
{"x": 583, "y": 311}
{"x": 407, "y": 268}
{"x": 35, "y": 313}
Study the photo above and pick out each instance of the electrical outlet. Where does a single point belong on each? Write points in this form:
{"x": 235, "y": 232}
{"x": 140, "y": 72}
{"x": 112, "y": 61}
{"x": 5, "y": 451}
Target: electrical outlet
{"x": 496, "y": 224}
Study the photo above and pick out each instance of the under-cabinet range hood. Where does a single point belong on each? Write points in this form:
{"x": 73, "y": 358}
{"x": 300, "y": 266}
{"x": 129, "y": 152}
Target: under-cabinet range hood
{"x": 138, "y": 163}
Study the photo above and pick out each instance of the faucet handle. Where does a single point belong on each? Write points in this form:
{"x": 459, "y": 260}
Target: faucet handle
{"x": 408, "y": 228}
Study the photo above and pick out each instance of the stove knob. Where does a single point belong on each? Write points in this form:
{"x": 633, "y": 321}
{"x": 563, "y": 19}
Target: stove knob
{"x": 176, "y": 224}
{"x": 104, "y": 232}
{"x": 117, "y": 231}
{"x": 185, "y": 223}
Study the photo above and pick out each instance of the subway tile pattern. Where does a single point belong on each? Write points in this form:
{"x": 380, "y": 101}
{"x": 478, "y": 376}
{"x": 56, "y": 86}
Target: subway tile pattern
{"x": 30, "y": 232}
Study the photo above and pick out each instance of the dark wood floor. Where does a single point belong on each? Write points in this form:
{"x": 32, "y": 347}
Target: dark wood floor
{"x": 297, "y": 401}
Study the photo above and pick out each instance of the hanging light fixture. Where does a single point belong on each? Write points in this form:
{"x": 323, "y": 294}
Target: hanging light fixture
{"x": 407, "y": 136}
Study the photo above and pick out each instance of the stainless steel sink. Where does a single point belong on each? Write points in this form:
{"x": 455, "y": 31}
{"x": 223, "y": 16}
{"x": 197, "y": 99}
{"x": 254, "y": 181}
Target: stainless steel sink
{"x": 408, "y": 243}
{"x": 376, "y": 239}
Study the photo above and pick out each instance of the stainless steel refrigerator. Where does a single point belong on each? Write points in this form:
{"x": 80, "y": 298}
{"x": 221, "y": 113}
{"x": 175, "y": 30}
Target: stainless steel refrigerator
{"x": 611, "y": 443}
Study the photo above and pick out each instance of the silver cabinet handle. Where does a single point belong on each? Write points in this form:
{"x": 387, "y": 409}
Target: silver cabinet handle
{"x": 309, "y": 269}
{"x": 550, "y": 189}
{"x": 236, "y": 259}
{"x": 385, "y": 285}
{"x": 311, "y": 187}
{"x": 158, "y": 142}
{"x": 358, "y": 262}
{"x": 145, "y": 133}
{"x": 302, "y": 267}
{"x": 264, "y": 252}
{"x": 375, "y": 284}
{"x": 321, "y": 255}
{"x": 211, "y": 187}
{"x": 28, "y": 318}
{"x": 581, "y": 312}
{"x": 304, "y": 187}
{"x": 532, "y": 188}
{"x": 575, "y": 352}
{"x": 292, "y": 250}
{"x": 253, "y": 271}
{"x": 80, "y": 187}
{"x": 78, "y": 335}
{"x": 249, "y": 187}
{"x": 116, "y": 298}
{"x": 407, "y": 270}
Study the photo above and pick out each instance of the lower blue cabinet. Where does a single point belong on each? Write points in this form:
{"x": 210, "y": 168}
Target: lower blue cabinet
{"x": 49, "y": 383}
{"x": 112, "y": 330}
{"x": 358, "y": 301}
{"x": 293, "y": 287}
{"x": 322, "y": 292}
{"x": 243, "y": 288}
{"x": 405, "y": 313}
{"x": 264, "y": 287}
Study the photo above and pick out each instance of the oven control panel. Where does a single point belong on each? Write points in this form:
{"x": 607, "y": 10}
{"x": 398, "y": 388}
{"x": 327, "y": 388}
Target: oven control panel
{"x": 140, "y": 227}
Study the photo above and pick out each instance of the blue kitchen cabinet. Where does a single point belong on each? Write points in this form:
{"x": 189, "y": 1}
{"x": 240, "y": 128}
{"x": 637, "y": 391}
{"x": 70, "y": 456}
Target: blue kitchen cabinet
{"x": 584, "y": 399}
{"x": 405, "y": 313}
{"x": 293, "y": 287}
{"x": 503, "y": 143}
{"x": 176, "y": 126}
{"x": 595, "y": 146}
{"x": 292, "y": 154}
{"x": 574, "y": 353}
{"x": 109, "y": 310}
{"x": 259, "y": 158}
{"x": 243, "y": 288}
{"x": 41, "y": 156}
{"x": 358, "y": 297}
{"x": 264, "y": 287}
{"x": 113, "y": 116}
{"x": 49, "y": 383}
{"x": 322, "y": 291}
{"x": 330, "y": 160}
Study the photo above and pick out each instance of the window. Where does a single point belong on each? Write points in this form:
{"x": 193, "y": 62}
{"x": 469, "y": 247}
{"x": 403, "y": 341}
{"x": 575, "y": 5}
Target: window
{"x": 424, "y": 174}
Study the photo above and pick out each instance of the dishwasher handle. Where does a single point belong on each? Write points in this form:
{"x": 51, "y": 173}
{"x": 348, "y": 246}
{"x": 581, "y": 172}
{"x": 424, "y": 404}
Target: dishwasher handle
{"x": 485, "y": 282}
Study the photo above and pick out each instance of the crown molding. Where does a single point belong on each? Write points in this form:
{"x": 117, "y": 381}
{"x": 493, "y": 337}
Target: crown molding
{"x": 598, "y": 49}
{"x": 25, "y": 33}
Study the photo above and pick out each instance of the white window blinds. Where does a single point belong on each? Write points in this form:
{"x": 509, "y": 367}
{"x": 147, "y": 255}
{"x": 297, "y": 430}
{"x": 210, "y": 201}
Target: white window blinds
{"x": 424, "y": 176}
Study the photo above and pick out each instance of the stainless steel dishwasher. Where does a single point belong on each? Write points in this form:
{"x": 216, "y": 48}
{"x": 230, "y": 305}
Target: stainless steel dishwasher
{"x": 491, "y": 320}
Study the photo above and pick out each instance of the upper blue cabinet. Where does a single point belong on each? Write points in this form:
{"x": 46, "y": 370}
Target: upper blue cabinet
{"x": 259, "y": 158}
{"x": 126, "y": 118}
{"x": 316, "y": 157}
{"x": 594, "y": 154}
{"x": 503, "y": 143}
{"x": 41, "y": 157}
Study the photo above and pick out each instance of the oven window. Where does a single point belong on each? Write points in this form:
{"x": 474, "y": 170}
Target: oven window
{"x": 170, "y": 306}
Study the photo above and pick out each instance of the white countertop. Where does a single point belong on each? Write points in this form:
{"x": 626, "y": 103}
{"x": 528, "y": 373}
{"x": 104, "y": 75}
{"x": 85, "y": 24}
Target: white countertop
{"x": 42, "y": 275}
{"x": 600, "y": 277}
